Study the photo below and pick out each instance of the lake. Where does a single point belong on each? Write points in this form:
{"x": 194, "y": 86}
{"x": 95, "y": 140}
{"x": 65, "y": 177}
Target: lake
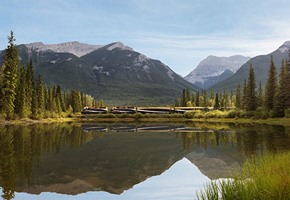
{"x": 126, "y": 161}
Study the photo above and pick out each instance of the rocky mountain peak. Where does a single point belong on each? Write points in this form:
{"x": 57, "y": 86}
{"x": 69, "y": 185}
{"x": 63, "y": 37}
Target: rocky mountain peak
{"x": 285, "y": 47}
{"x": 76, "y": 48}
{"x": 207, "y": 72}
{"x": 119, "y": 45}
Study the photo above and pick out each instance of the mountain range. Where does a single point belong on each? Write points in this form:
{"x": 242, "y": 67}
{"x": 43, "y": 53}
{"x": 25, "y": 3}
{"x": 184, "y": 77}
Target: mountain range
{"x": 213, "y": 70}
{"x": 113, "y": 72}
{"x": 260, "y": 65}
{"x": 122, "y": 76}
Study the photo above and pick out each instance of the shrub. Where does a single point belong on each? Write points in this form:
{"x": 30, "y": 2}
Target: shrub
{"x": 287, "y": 113}
{"x": 261, "y": 113}
{"x": 189, "y": 114}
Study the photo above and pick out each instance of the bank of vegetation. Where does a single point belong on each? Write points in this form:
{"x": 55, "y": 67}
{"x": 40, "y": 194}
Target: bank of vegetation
{"x": 267, "y": 177}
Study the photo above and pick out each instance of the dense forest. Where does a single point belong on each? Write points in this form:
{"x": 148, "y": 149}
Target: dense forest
{"x": 22, "y": 95}
{"x": 271, "y": 101}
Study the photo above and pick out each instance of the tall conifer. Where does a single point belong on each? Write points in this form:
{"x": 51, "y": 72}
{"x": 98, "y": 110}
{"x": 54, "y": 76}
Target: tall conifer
{"x": 251, "y": 104}
{"x": 271, "y": 86}
{"x": 10, "y": 77}
{"x": 238, "y": 97}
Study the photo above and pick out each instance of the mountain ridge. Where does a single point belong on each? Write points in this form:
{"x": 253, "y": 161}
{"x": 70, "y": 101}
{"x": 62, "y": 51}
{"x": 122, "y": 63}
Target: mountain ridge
{"x": 209, "y": 70}
{"x": 260, "y": 65}
{"x": 113, "y": 72}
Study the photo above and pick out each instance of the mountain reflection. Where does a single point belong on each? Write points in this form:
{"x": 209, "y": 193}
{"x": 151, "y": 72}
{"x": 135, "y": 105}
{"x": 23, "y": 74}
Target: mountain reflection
{"x": 73, "y": 159}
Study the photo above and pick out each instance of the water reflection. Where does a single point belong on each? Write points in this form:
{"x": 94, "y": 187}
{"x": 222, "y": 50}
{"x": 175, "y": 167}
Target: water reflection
{"x": 74, "y": 159}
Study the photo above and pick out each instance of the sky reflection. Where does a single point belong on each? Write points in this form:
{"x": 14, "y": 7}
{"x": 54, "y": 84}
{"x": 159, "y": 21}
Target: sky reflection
{"x": 180, "y": 181}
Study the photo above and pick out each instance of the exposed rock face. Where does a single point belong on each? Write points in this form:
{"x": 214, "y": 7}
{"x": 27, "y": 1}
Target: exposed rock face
{"x": 76, "y": 48}
{"x": 212, "y": 70}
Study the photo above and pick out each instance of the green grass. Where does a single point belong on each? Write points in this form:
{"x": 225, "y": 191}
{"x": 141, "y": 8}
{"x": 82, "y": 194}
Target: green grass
{"x": 267, "y": 177}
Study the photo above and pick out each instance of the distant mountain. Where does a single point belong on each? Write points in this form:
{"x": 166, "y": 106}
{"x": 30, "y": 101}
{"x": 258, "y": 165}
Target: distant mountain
{"x": 260, "y": 65}
{"x": 114, "y": 72}
{"x": 76, "y": 48}
{"x": 214, "y": 69}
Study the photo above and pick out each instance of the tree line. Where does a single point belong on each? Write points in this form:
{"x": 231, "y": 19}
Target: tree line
{"x": 272, "y": 101}
{"x": 23, "y": 96}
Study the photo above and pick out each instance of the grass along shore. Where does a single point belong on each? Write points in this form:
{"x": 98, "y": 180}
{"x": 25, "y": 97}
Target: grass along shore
{"x": 267, "y": 177}
{"x": 208, "y": 117}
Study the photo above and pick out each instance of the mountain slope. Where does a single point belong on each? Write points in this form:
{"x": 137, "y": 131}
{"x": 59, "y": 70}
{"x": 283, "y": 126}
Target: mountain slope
{"x": 212, "y": 70}
{"x": 114, "y": 72}
{"x": 260, "y": 65}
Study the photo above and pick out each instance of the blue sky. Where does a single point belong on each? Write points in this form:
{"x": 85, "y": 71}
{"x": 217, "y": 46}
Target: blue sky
{"x": 180, "y": 33}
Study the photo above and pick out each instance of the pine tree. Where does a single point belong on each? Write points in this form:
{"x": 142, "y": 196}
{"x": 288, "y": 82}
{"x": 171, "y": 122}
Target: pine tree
{"x": 217, "y": 103}
{"x": 187, "y": 96}
{"x": 280, "y": 98}
{"x": 260, "y": 95}
{"x": 197, "y": 99}
{"x": 29, "y": 85}
{"x": 10, "y": 77}
{"x": 271, "y": 86}
{"x": 183, "y": 98}
{"x": 238, "y": 97}
{"x": 34, "y": 105}
{"x": 288, "y": 81}
{"x": 244, "y": 97}
{"x": 40, "y": 96}
{"x": 225, "y": 99}
{"x": 176, "y": 103}
{"x": 193, "y": 99}
{"x": 251, "y": 104}
{"x": 59, "y": 96}
{"x": 20, "y": 102}
{"x": 204, "y": 98}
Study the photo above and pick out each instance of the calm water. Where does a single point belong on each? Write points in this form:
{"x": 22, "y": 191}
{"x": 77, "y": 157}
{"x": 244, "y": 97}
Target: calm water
{"x": 126, "y": 161}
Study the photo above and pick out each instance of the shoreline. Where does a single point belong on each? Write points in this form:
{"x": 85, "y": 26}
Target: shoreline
{"x": 130, "y": 119}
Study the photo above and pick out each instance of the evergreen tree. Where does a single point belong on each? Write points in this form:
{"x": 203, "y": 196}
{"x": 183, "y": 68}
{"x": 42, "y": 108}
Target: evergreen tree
{"x": 40, "y": 96}
{"x": 238, "y": 97}
{"x": 197, "y": 99}
{"x": 10, "y": 77}
{"x": 176, "y": 103}
{"x": 217, "y": 103}
{"x": 29, "y": 85}
{"x": 193, "y": 99}
{"x": 260, "y": 95}
{"x": 244, "y": 97}
{"x": 251, "y": 104}
{"x": 60, "y": 99}
{"x": 204, "y": 98}
{"x": 1, "y": 87}
{"x": 20, "y": 102}
{"x": 271, "y": 86}
{"x": 34, "y": 105}
{"x": 187, "y": 96}
{"x": 183, "y": 98}
{"x": 288, "y": 81}
{"x": 225, "y": 99}
{"x": 280, "y": 98}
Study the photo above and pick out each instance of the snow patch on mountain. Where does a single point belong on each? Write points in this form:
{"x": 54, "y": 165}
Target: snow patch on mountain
{"x": 76, "y": 48}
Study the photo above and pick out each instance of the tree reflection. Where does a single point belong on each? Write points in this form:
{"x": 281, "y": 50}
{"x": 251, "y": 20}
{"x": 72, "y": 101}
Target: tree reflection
{"x": 7, "y": 164}
{"x": 22, "y": 146}
{"x": 249, "y": 140}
